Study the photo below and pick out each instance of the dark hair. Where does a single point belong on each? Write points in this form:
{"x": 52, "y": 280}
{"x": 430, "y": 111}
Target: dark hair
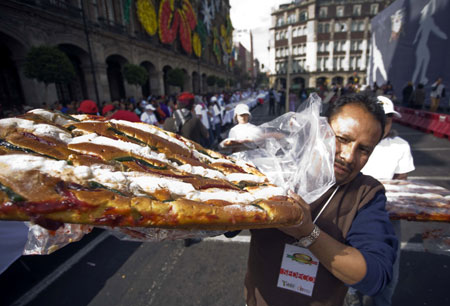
{"x": 420, "y": 85}
{"x": 365, "y": 99}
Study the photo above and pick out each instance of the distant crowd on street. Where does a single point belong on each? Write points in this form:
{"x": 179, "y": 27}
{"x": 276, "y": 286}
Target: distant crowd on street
{"x": 412, "y": 96}
{"x": 209, "y": 109}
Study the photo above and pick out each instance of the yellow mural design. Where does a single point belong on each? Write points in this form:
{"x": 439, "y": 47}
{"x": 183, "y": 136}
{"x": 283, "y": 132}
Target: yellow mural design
{"x": 147, "y": 16}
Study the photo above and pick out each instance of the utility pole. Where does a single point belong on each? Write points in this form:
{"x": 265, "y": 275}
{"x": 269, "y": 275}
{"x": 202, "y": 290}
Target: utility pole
{"x": 91, "y": 59}
{"x": 252, "y": 59}
{"x": 288, "y": 69}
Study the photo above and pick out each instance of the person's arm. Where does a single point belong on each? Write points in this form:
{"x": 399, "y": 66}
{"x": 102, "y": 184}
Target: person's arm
{"x": 400, "y": 176}
{"x": 366, "y": 261}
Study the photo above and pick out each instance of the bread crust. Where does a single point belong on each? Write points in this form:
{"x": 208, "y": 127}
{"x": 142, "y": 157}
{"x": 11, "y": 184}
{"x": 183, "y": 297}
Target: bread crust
{"x": 135, "y": 175}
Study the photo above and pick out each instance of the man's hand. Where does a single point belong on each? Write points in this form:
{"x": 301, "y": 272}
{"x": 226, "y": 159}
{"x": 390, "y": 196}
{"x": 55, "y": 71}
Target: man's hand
{"x": 306, "y": 226}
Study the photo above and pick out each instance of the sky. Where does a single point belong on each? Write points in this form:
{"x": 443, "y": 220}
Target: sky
{"x": 254, "y": 15}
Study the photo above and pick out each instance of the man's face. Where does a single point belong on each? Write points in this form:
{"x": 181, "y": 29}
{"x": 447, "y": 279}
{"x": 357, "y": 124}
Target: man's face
{"x": 242, "y": 119}
{"x": 357, "y": 133}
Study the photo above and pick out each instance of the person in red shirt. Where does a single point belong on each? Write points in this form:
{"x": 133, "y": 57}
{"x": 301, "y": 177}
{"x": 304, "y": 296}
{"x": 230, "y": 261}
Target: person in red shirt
{"x": 88, "y": 107}
{"x": 110, "y": 112}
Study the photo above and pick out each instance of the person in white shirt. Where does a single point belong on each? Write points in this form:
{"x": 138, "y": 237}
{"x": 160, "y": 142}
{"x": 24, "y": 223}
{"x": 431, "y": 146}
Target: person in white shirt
{"x": 203, "y": 114}
{"x": 390, "y": 160}
{"x": 148, "y": 116}
{"x": 244, "y": 135}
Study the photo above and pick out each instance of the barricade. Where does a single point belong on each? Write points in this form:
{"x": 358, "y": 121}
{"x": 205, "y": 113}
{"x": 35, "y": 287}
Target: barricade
{"x": 446, "y": 129}
{"x": 438, "y": 124}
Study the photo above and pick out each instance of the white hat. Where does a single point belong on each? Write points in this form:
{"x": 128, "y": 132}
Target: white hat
{"x": 241, "y": 109}
{"x": 388, "y": 106}
{"x": 213, "y": 99}
{"x": 150, "y": 107}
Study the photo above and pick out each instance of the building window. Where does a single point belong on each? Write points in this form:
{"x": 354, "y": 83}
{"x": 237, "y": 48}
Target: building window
{"x": 320, "y": 62}
{"x": 340, "y": 27}
{"x": 339, "y": 45}
{"x": 323, "y": 27}
{"x": 353, "y": 62}
{"x": 357, "y": 10}
{"x": 280, "y": 21}
{"x": 323, "y": 12}
{"x": 357, "y": 26}
{"x": 303, "y": 16}
{"x": 292, "y": 18}
{"x": 354, "y": 45}
{"x": 277, "y": 53}
{"x": 277, "y": 36}
{"x": 340, "y": 11}
{"x": 374, "y": 9}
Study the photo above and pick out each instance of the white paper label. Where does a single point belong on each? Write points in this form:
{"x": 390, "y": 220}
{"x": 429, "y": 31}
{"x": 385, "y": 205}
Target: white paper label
{"x": 298, "y": 270}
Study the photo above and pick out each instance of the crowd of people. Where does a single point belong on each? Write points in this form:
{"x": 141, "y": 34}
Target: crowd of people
{"x": 210, "y": 109}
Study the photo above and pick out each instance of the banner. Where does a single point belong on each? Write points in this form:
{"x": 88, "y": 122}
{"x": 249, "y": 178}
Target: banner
{"x": 410, "y": 42}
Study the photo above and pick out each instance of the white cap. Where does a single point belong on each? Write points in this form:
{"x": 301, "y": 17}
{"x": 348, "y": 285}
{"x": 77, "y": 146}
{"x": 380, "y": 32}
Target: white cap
{"x": 388, "y": 106}
{"x": 241, "y": 109}
{"x": 150, "y": 107}
{"x": 213, "y": 99}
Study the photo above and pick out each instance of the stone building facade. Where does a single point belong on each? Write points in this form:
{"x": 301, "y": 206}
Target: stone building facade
{"x": 100, "y": 36}
{"x": 325, "y": 41}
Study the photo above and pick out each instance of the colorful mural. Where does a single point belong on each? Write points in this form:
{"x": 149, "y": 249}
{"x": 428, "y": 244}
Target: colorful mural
{"x": 176, "y": 19}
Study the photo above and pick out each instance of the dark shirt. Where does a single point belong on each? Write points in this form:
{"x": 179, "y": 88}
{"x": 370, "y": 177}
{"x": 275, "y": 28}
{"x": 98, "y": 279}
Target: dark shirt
{"x": 192, "y": 129}
{"x": 373, "y": 237}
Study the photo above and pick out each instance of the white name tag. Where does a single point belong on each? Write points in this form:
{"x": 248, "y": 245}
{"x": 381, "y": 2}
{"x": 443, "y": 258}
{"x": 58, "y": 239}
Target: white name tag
{"x": 298, "y": 270}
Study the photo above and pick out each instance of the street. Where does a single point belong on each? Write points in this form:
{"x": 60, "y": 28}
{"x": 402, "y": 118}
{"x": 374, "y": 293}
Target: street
{"x": 102, "y": 270}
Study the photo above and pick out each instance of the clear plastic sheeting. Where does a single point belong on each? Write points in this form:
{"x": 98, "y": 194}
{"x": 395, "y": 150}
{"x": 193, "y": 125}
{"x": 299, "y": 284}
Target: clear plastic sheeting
{"x": 297, "y": 151}
{"x": 158, "y": 234}
{"x": 437, "y": 241}
{"x": 43, "y": 242}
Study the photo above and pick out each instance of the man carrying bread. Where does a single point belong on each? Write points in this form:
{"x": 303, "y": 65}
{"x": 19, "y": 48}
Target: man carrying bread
{"x": 345, "y": 238}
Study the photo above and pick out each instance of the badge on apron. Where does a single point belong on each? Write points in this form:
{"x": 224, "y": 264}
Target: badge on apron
{"x": 298, "y": 270}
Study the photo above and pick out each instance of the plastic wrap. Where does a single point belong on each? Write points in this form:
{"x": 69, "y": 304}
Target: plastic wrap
{"x": 437, "y": 241}
{"x": 158, "y": 234}
{"x": 297, "y": 151}
{"x": 42, "y": 241}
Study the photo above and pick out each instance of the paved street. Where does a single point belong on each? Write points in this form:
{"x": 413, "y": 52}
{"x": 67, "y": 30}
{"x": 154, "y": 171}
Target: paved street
{"x": 102, "y": 270}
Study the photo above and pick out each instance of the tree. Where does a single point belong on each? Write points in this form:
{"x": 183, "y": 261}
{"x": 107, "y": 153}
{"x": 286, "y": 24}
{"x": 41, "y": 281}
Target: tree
{"x": 262, "y": 80}
{"x": 211, "y": 80}
{"x": 221, "y": 82}
{"x": 48, "y": 65}
{"x": 135, "y": 75}
{"x": 176, "y": 77}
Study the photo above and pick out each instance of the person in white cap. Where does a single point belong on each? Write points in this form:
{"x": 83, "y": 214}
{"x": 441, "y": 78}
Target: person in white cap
{"x": 244, "y": 135}
{"x": 148, "y": 116}
{"x": 391, "y": 159}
